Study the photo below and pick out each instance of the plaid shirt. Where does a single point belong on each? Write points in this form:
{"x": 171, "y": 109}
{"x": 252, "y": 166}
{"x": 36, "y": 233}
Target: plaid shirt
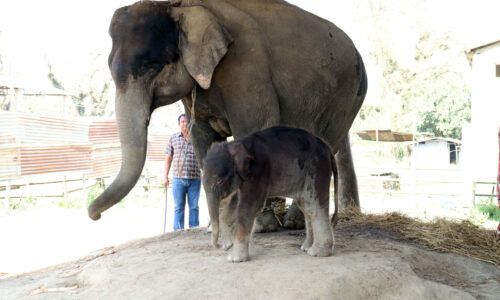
{"x": 185, "y": 163}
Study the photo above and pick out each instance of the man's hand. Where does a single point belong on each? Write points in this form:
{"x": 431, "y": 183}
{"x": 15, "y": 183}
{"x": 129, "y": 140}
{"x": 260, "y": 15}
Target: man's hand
{"x": 165, "y": 182}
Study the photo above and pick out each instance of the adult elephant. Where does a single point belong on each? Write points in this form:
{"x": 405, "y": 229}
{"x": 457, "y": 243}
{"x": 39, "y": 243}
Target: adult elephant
{"x": 239, "y": 66}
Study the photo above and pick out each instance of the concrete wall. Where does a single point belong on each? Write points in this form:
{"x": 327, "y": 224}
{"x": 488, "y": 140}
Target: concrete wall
{"x": 480, "y": 138}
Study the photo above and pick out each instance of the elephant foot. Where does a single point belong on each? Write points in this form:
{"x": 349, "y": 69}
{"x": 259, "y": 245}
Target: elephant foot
{"x": 306, "y": 245}
{"x": 238, "y": 257}
{"x": 227, "y": 245}
{"x": 294, "y": 218}
{"x": 320, "y": 251}
{"x": 266, "y": 222}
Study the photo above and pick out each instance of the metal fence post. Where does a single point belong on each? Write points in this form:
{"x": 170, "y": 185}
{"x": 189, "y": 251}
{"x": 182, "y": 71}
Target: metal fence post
{"x": 84, "y": 190}
{"x": 65, "y": 189}
{"x": 150, "y": 187}
{"x": 473, "y": 194}
{"x": 7, "y": 197}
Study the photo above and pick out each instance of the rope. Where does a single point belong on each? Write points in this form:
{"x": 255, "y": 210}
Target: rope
{"x": 190, "y": 127}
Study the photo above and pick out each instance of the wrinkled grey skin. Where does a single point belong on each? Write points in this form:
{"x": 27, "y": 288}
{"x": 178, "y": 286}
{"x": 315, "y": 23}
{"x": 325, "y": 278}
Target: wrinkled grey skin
{"x": 239, "y": 66}
{"x": 278, "y": 161}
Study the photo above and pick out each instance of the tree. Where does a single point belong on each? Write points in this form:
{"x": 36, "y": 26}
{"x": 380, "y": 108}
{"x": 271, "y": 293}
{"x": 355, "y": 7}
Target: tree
{"x": 427, "y": 93}
{"x": 91, "y": 97}
{"x": 440, "y": 95}
{"x": 52, "y": 78}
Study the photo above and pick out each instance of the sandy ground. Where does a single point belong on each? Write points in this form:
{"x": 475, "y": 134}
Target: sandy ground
{"x": 367, "y": 264}
{"x": 38, "y": 238}
{"x": 180, "y": 265}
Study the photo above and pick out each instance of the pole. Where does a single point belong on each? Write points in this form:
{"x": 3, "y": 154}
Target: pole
{"x": 84, "y": 191}
{"x": 165, "y": 215}
{"x": 7, "y": 197}
{"x": 65, "y": 189}
{"x": 473, "y": 194}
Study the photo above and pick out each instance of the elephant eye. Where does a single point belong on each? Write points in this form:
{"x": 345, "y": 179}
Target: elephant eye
{"x": 219, "y": 181}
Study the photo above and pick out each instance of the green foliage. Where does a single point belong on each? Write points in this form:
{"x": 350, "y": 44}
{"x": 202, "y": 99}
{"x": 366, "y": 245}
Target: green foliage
{"x": 439, "y": 95}
{"x": 489, "y": 209}
{"x": 93, "y": 193}
{"x": 75, "y": 200}
{"x": 423, "y": 84}
{"x": 69, "y": 203}
{"x": 23, "y": 203}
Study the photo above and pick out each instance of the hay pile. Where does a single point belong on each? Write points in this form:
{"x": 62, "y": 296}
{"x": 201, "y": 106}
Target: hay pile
{"x": 280, "y": 208}
{"x": 442, "y": 235}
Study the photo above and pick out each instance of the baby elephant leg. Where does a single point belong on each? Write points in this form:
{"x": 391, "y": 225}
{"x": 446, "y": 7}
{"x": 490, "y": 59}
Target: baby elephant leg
{"x": 227, "y": 217}
{"x": 246, "y": 214}
{"x": 321, "y": 228}
{"x": 241, "y": 240}
{"x": 309, "y": 232}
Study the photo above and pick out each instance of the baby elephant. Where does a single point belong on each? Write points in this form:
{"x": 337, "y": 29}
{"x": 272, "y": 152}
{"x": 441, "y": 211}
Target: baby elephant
{"x": 279, "y": 161}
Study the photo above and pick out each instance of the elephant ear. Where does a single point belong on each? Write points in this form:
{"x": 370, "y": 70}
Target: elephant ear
{"x": 203, "y": 42}
{"x": 241, "y": 158}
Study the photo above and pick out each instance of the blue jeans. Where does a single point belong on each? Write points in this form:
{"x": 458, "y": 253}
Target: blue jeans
{"x": 181, "y": 188}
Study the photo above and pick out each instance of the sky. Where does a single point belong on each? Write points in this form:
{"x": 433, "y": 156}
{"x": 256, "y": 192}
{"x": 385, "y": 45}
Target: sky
{"x": 71, "y": 34}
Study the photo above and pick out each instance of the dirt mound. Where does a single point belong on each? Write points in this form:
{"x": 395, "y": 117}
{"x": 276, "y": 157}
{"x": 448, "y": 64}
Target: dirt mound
{"x": 367, "y": 263}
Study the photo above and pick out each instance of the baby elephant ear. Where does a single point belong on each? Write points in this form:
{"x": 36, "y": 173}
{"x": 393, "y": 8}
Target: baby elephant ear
{"x": 202, "y": 42}
{"x": 242, "y": 159}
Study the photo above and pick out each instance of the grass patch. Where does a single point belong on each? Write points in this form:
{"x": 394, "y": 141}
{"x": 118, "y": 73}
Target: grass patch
{"x": 489, "y": 209}
{"x": 75, "y": 200}
{"x": 23, "y": 203}
{"x": 441, "y": 235}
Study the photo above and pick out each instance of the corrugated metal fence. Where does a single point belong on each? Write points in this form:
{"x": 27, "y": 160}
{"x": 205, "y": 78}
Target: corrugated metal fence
{"x": 40, "y": 145}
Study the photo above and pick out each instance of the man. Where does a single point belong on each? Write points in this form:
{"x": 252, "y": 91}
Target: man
{"x": 186, "y": 177}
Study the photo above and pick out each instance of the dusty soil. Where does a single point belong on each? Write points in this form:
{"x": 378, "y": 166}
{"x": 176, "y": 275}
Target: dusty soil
{"x": 367, "y": 264}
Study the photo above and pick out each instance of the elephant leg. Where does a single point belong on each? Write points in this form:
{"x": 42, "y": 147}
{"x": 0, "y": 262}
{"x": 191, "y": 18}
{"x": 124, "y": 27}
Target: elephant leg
{"x": 322, "y": 234}
{"x": 308, "y": 242}
{"x": 294, "y": 218}
{"x": 202, "y": 136}
{"x": 246, "y": 117}
{"x": 248, "y": 206}
{"x": 266, "y": 220}
{"x": 346, "y": 190}
{"x": 227, "y": 222}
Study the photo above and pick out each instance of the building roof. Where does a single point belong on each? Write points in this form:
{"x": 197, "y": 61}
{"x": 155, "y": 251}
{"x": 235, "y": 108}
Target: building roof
{"x": 385, "y": 135}
{"x": 477, "y": 50}
{"x": 440, "y": 139}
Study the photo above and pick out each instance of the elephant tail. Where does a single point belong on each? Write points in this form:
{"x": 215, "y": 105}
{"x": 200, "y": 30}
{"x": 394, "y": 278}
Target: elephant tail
{"x": 363, "y": 82}
{"x": 334, "y": 219}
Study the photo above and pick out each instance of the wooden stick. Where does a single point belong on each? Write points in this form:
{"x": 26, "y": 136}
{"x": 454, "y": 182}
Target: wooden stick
{"x": 42, "y": 290}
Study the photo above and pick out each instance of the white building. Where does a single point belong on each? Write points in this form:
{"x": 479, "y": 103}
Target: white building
{"x": 436, "y": 153}
{"x": 480, "y": 137}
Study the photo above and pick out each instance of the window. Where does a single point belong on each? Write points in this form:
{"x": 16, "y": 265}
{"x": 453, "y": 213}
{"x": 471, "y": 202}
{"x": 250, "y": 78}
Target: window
{"x": 497, "y": 70}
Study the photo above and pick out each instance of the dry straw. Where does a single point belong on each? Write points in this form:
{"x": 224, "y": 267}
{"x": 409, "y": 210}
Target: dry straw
{"x": 441, "y": 235}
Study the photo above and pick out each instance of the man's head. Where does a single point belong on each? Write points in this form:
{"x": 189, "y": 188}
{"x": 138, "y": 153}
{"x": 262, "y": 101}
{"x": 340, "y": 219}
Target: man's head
{"x": 182, "y": 121}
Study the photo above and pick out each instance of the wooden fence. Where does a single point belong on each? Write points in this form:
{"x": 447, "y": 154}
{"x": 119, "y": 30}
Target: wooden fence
{"x": 37, "y": 150}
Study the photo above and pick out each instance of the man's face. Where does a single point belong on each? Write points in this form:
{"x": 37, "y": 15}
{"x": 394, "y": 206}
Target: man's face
{"x": 183, "y": 124}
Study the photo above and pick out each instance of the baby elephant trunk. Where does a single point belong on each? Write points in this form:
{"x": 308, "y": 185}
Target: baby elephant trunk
{"x": 213, "y": 211}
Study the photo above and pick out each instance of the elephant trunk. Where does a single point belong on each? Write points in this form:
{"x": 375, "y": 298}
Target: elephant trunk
{"x": 133, "y": 110}
{"x": 213, "y": 211}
